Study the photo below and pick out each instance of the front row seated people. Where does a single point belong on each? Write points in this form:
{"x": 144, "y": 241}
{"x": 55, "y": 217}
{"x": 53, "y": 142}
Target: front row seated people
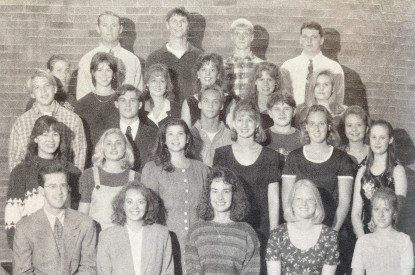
{"x": 55, "y": 239}
{"x": 222, "y": 241}
{"x": 136, "y": 244}
{"x": 47, "y": 145}
{"x": 98, "y": 185}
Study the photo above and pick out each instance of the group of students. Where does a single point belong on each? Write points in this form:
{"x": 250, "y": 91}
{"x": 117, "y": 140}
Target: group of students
{"x": 148, "y": 157}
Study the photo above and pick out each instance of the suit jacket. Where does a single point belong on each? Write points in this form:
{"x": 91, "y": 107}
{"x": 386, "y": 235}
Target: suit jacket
{"x": 115, "y": 257}
{"x": 144, "y": 141}
{"x": 35, "y": 250}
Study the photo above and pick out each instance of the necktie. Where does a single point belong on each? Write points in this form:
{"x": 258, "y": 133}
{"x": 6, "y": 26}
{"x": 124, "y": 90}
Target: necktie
{"x": 111, "y": 52}
{"x": 128, "y": 134}
{"x": 310, "y": 69}
{"x": 57, "y": 232}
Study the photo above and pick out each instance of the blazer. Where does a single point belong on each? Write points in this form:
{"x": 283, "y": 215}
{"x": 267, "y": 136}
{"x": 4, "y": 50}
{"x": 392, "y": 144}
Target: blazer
{"x": 35, "y": 250}
{"x": 175, "y": 112}
{"x": 115, "y": 257}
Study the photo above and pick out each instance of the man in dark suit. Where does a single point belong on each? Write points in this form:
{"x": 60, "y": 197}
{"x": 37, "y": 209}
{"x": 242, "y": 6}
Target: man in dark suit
{"x": 55, "y": 239}
{"x": 129, "y": 101}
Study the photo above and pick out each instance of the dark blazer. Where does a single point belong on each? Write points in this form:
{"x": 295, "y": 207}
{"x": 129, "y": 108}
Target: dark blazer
{"x": 175, "y": 112}
{"x": 144, "y": 142}
{"x": 115, "y": 257}
{"x": 35, "y": 250}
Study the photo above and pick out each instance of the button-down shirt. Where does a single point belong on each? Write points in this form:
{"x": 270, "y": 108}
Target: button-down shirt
{"x": 239, "y": 72}
{"x": 129, "y": 69}
{"x": 22, "y": 128}
{"x": 204, "y": 146}
{"x": 298, "y": 70}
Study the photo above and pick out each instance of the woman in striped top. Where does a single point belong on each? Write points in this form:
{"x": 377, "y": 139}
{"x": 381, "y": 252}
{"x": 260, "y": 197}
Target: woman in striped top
{"x": 221, "y": 243}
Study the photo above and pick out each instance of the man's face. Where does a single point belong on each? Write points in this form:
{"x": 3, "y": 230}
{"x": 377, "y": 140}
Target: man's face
{"x": 109, "y": 28}
{"x": 177, "y": 26}
{"x": 128, "y": 105}
{"x": 43, "y": 91}
{"x": 311, "y": 41}
{"x": 210, "y": 104}
{"x": 55, "y": 191}
{"x": 242, "y": 38}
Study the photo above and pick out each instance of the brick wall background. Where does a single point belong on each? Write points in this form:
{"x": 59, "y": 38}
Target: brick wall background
{"x": 374, "y": 40}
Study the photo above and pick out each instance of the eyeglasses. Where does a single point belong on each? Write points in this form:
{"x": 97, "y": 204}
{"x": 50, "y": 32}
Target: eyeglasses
{"x": 55, "y": 187}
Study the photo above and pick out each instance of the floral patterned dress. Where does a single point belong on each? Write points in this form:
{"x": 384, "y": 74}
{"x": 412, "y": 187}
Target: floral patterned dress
{"x": 369, "y": 184}
{"x": 295, "y": 261}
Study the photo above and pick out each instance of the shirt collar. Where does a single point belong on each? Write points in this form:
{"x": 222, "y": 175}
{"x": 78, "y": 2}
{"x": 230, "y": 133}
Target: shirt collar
{"x": 52, "y": 218}
{"x": 104, "y": 48}
{"x": 249, "y": 57}
{"x": 134, "y": 127}
{"x": 198, "y": 126}
{"x": 36, "y": 110}
{"x": 318, "y": 56}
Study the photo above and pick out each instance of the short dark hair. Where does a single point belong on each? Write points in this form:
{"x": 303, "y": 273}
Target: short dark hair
{"x": 53, "y": 168}
{"x": 152, "y": 199}
{"x": 101, "y": 57}
{"x": 240, "y": 205}
{"x": 55, "y": 58}
{"x": 108, "y": 13}
{"x": 276, "y": 98}
{"x": 215, "y": 88}
{"x": 312, "y": 25}
{"x": 123, "y": 89}
{"x": 178, "y": 11}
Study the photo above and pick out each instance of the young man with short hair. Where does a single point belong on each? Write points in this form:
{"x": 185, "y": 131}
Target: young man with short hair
{"x": 129, "y": 68}
{"x": 55, "y": 239}
{"x": 209, "y": 133}
{"x": 177, "y": 54}
{"x": 129, "y": 101}
{"x": 240, "y": 66}
{"x": 282, "y": 136}
{"x": 311, "y": 60}
{"x": 43, "y": 88}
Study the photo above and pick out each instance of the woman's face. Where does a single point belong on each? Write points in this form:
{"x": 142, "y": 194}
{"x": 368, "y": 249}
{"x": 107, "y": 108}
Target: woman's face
{"x": 175, "y": 138}
{"x": 265, "y": 84}
{"x": 60, "y": 69}
{"x": 114, "y": 147}
{"x": 208, "y": 74}
{"x": 245, "y": 124}
{"x": 103, "y": 75}
{"x": 323, "y": 88}
{"x": 157, "y": 85}
{"x": 354, "y": 128}
{"x": 135, "y": 205}
{"x": 317, "y": 127}
{"x": 379, "y": 139}
{"x": 382, "y": 213}
{"x": 304, "y": 203}
{"x": 48, "y": 143}
{"x": 220, "y": 196}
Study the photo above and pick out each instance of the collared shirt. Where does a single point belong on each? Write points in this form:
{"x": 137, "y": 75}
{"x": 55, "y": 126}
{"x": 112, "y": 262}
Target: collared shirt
{"x": 52, "y": 218}
{"x": 163, "y": 113}
{"x": 238, "y": 73}
{"x": 298, "y": 70}
{"x": 181, "y": 69}
{"x": 134, "y": 127}
{"x": 206, "y": 147}
{"x": 129, "y": 69}
{"x": 22, "y": 128}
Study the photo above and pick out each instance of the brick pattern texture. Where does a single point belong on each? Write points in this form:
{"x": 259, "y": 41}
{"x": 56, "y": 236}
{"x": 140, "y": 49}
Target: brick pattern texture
{"x": 373, "y": 39}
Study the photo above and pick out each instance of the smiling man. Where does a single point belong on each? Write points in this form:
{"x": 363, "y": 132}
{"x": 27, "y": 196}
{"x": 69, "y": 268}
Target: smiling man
{"x": 55, "y": 239}
{"x": 129, "y": 68}
{"x": 240, "y": 66}
{"x": 177, "y": 54}
{"x": 311, "y": 60}
{"x": 42, "y": 86}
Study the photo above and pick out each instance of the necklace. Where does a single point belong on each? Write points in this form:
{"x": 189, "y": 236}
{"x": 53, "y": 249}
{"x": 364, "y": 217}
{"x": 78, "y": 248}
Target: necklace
{"x": 103, "y": 101}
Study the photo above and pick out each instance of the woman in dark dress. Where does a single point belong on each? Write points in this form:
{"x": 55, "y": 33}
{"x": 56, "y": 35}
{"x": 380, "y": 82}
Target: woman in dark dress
{"x": 259, "y": 169}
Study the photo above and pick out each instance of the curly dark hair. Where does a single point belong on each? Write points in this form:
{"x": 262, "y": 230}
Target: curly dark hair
{"x": 161, "y": 155}
{"x": 153, "y": 210}
{"x": 45, "y": 124}
{"x": 240, "y": 205}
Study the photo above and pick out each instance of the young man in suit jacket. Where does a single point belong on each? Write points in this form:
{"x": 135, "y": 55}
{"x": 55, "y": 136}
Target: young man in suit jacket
{"x": 55, "y": 239}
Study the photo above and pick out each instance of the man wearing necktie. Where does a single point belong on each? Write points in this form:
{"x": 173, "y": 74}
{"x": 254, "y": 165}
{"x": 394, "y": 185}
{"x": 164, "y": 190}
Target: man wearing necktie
{"x": 129, "y": 68}
{"x": 55, "y": 239}
{"x": 311, "y": 60}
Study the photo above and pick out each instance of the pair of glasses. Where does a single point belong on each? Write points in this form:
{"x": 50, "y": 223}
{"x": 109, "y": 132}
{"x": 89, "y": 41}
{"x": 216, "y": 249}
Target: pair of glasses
{"x": 57, "y": 186}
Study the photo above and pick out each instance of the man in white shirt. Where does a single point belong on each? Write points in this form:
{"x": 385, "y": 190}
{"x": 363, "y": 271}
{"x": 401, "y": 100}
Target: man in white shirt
{"x": 129, "y": 68}
{"x": 55, "y": 239}
{"x": 311, "y": 60}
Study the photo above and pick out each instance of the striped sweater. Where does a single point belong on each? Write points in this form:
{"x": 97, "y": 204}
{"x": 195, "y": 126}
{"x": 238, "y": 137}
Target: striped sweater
{"x": 215, "y": 248}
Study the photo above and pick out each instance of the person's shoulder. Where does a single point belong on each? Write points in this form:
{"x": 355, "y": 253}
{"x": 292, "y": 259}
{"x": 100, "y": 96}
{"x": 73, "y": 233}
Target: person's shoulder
{"x": 84, "y": 219}
{"x": 289, "y": 62}
{"x": 402, "y": 237}
{"x": 28, "y": 221}
{"x": 328, "y": 231}
{"x": 152, "y": 166}
{"x": 128, "y": 54}
{"x": 69, "y": 113}
{"x": 246, "y": 228}
{"x": 199, "y": 164}
{"x": 23, "y": 117}
{"x": 156, "y": 53}
{"x": 297, "y": 152}
{"x": 114, "y": 230}
{"x": 86, "y": 58}
{"x": 224, "y": 149}
{"x": 158, "y": 229}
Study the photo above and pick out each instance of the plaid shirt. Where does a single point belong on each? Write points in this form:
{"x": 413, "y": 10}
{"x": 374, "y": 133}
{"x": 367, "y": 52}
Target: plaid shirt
{"x": 22, "y": 128}
{"x": 238, "y": 73}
